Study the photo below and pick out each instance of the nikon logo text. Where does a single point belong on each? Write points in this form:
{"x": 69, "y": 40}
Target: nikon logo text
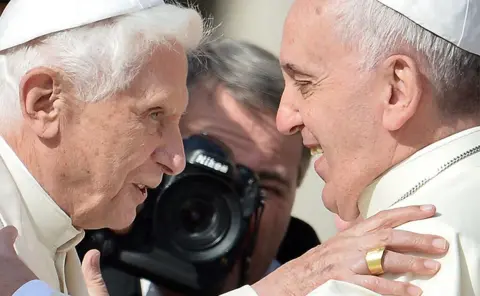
{"x": 211, "y": 163}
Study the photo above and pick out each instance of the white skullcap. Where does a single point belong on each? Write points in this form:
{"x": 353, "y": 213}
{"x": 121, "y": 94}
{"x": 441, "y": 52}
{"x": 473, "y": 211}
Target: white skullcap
{"x": 26, "y": 20}
{"x": 457, "y": 21}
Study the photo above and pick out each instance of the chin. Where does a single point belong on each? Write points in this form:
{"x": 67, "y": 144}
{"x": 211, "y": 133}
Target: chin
{"x": 121, "y": 222}
{"x": 349, "y": 214}
{"x": 346, "y": 210}
{"x": 328, "y": 198}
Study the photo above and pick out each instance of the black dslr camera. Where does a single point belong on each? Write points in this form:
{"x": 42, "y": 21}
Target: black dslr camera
{"x": 193, "y": 227}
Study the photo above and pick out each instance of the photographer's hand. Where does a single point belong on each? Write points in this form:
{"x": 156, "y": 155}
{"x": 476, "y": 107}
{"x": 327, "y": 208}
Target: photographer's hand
{"x": 92, "y": 274}
{"x": 343, "y": 257}
{"x": 13, "y": 272}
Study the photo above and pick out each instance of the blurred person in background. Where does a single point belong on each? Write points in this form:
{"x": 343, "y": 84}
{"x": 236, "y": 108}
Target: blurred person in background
{"x": 239, "y": 86}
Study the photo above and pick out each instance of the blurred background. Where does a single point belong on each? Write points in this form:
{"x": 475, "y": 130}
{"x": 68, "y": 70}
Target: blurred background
{"x": 261, "y": 22}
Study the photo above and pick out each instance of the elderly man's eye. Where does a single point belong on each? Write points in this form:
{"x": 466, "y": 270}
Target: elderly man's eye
{"x": 156, "y": 114}
{"x": 300, "y": 83}
{"x": 303, "y": 86}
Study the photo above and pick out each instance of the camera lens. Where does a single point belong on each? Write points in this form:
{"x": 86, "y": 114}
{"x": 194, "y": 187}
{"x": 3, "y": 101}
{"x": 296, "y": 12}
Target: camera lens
{"x": 196, "y": 215}
{"x": 198, "y": 218}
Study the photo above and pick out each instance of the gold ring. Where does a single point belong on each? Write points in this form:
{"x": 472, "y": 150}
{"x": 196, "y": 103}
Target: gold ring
{"x": 374, "y": 260}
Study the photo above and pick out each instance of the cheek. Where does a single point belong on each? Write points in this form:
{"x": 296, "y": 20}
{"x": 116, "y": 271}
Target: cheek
{"x": 341, "y": 120}
{"x": 321, "y": 118}
{"x": 139, "y": 148}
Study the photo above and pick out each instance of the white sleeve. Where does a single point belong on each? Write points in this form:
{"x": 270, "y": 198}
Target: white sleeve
{"x": 330, "y": 288}
{"x": 337, "y": 288}
{"x": 243, "y": 291}
{"x": 37, "y": 288}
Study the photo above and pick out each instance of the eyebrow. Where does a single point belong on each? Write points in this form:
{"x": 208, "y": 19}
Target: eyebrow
{"x": 273, "y": 176}
{"x": 293, "y": 69}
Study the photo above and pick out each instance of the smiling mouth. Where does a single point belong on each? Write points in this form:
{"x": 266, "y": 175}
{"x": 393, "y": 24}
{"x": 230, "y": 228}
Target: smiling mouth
{"x": 143, "y": 189}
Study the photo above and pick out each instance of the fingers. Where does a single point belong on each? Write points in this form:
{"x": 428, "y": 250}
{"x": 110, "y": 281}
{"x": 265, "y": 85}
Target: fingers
{"x": 393, "y": 218}
{"x": 406, "y": 241}
{"x": 8, "y": 235}
{"x": 403, "y": 241}
{"x": 385, "y": 287}
{"x": 92, "y": 274}
{"x": 399, "y": 263}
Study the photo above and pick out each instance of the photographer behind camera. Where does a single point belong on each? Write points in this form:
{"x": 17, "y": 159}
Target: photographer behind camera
{"x": 235, "y": 89}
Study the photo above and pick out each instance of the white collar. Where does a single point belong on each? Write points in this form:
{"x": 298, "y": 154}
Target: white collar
{"x": 53, "y": 226}
{"x": 394, "y": 183}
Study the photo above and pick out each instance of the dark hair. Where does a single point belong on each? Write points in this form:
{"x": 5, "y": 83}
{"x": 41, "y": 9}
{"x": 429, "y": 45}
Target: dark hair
{"x": 251, "y": 74}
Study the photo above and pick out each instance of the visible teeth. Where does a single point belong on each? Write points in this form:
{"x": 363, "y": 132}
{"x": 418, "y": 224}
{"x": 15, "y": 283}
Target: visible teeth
{"x": 316, "y": 151}
{"x": 140, "y": 186}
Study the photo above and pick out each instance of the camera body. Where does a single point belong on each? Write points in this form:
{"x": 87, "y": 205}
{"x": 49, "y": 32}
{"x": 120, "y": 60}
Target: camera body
{"x": 193, "y": 227}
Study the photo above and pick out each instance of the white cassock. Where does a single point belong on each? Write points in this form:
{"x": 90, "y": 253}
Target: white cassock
{"x": 455, "y": 192}
{"x": 47, "y": 239}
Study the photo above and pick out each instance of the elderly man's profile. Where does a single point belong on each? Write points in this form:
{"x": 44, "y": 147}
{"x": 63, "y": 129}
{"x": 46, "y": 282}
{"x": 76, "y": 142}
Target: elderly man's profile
{"x": 386, "y": 92}
{"x": 90, "y": 93}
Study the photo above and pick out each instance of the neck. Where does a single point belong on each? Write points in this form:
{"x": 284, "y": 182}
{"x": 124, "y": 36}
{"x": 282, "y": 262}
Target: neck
{"x": 419, "y": 134}
{"x": 43, "y": 162}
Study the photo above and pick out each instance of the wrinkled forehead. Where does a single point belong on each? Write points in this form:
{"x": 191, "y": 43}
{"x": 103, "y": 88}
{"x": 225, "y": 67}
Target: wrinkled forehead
{"x": 304, "y": 30}
{"x": 162, "y": 79}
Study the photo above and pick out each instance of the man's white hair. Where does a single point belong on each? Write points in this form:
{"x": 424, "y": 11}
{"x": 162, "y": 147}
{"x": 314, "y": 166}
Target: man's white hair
{"x": 99, "y": 59}
{"x": 378, "y": 32}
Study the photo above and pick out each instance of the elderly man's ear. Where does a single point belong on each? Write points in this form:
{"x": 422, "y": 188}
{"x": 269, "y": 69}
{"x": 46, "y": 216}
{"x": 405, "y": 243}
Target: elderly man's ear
{"x": 42, "y": 101}
{"x": 404, "y": 81}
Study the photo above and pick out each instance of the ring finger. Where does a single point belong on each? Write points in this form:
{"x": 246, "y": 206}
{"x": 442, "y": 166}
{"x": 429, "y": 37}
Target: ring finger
{"x": 397, "y": 263}
{"x": 400, "y": 263}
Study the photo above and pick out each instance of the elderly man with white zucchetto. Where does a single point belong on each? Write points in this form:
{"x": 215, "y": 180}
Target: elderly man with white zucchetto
{"x": 388, "y": 91}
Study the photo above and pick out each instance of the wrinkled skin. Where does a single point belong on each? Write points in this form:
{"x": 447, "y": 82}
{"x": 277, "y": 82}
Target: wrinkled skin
{"x": 89, "y": 156}
{"x": 366, "y": 121}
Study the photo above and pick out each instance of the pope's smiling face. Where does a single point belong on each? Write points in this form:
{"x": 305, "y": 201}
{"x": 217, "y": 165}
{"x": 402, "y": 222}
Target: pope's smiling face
{"x": 359, "y": 119}
{"x": 330, "y": 100}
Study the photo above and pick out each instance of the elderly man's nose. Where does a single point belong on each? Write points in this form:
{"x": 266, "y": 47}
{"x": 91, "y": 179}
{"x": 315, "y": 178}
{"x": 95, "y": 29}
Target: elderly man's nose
{"x": 289, "y": 120}
{"x": 178, "y": 162}
{"x": 172, "y": 156}
{"x": 172, "y": 162}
